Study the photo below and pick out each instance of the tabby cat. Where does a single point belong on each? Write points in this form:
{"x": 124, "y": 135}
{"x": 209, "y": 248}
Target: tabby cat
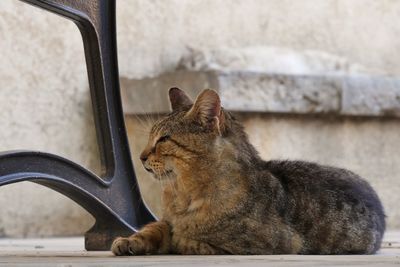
{"x": 220, "y": 197}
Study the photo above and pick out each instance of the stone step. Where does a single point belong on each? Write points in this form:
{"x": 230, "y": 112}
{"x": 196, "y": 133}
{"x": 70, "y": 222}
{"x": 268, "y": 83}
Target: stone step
{"x": 354, "y": 95}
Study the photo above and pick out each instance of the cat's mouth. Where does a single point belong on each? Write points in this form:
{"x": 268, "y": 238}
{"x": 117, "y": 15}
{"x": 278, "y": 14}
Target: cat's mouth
{"x": 148, "y": 169}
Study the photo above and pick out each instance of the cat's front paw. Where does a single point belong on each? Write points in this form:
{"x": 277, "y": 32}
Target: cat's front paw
{"x": 128, "y": 246}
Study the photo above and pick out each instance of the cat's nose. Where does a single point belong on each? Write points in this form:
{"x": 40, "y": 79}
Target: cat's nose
{"x": 144, "y": 156}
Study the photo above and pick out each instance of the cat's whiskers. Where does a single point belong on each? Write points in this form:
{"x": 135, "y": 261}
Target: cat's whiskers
{"x": 170, "y": 180}
{"x": 144, "y": 124}
{"x": 161, "y": 189}
{"x": 164, "y": 183}
{"x": 171, "y": 183}
{"x": 148, "y": 117}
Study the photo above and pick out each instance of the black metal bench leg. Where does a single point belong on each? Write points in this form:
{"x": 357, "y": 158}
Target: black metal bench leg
{"x": 113, "y": 198}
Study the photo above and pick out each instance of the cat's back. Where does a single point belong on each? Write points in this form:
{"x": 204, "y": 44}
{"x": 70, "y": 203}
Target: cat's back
{"x": 321, "y": 181}
{"x": 328, "y": 206}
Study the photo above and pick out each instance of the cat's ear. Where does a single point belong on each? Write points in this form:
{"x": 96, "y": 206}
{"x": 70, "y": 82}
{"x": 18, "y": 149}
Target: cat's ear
{"x": 178, "y": 98}
{"x": 207, "y": 109}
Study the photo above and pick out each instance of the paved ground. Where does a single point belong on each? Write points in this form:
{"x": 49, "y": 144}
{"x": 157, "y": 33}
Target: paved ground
{"x": 66, "y": 252}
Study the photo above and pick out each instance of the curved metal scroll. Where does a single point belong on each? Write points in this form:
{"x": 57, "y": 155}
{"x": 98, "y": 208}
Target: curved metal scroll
{"x": 113, "y": 198}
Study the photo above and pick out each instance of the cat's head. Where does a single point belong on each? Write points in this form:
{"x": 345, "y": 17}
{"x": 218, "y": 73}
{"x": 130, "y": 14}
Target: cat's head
{"x": 195, "y": 135}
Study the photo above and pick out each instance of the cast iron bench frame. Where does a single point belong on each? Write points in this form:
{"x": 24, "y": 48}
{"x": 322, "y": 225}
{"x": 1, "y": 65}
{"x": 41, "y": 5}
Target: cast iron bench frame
{"x": 113, "y": 198}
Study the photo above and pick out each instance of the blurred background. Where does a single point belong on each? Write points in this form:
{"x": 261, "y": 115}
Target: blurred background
{"x": 312, "y": 80}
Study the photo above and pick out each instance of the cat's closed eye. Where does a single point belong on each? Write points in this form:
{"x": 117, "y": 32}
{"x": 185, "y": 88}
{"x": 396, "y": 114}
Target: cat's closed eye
{"x": 163, "y": 138}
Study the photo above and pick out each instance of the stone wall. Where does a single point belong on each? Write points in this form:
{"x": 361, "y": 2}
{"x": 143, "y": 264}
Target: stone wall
{"x": 153, "y": 35}
{"x": 44, "y": 96}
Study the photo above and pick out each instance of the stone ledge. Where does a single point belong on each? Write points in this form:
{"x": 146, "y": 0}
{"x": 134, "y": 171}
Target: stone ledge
{"x": 357, "y": 95}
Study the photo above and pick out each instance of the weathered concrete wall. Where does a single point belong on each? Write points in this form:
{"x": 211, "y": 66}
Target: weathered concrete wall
{"x": 44, "y": 101}
{"x": 153, "y": 35}
{"x": 44, "y": 92}
{"x": 367, "y": 146}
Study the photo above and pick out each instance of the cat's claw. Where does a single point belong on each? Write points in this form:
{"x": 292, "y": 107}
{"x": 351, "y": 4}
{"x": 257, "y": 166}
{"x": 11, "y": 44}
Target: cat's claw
{"x": 115, "y": 247}
{"x": 127, "y": 247}
{"x": 120, "y": 247}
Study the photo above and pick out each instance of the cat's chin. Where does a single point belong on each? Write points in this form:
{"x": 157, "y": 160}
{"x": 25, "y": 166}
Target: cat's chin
{"x": 167, "y": 176}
